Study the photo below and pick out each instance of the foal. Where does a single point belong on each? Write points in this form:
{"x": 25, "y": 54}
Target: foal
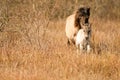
{"x": 83, "y": 38}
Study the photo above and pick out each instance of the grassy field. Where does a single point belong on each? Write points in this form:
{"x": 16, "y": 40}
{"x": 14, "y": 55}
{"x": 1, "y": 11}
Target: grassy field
{"x": 33, "y": 42}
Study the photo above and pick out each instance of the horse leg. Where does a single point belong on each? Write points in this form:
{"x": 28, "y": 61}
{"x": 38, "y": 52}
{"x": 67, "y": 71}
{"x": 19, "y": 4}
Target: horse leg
{"x": 78, "y": 48}
{"x": 68, "y": 42}
{"x": 73, "y": 41}
{"x": 81, "y": 48}
{"x": 88, "y": 48}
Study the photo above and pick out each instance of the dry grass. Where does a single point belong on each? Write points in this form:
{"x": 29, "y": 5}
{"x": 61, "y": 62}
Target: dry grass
{"x": 33, "y": 44}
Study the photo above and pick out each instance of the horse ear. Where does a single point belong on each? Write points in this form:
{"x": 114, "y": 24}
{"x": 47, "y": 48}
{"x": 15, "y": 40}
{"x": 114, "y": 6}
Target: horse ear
{"x": 88, "y": 9}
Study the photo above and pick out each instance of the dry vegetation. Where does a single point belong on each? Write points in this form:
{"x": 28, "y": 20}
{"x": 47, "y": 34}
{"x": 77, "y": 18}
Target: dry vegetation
{"x": 33, "y": 42}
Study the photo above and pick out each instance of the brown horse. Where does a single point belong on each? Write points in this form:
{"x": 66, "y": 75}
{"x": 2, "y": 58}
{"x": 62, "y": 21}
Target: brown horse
{"x": 74, "y": 21}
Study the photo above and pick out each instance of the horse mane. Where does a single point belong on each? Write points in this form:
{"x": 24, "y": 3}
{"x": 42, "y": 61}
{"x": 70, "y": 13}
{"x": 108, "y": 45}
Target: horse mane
{"x": 77, "y": 19}
{"x": 81, "y": 12}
